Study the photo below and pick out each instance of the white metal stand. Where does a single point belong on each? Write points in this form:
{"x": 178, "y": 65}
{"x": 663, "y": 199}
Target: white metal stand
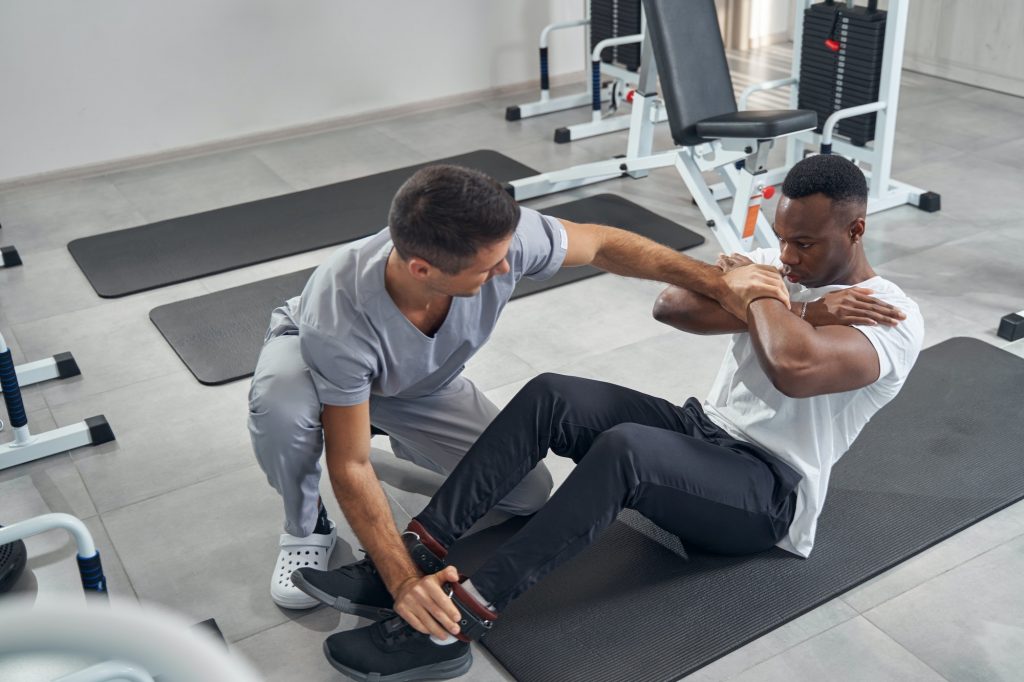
{"x": 26, "y": 446}
{"x": 612, "y": 92}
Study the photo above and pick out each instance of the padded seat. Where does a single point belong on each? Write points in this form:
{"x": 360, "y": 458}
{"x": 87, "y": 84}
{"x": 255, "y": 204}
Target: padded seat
{"x": 759, "y": 125}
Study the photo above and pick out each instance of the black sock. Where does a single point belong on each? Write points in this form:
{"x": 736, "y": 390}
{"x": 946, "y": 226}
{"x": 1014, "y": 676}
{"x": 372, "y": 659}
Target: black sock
{"x": 323, "y": 524}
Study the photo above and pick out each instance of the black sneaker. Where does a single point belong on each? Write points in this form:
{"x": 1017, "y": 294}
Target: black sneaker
{"x": 358, "y": 588}
{"x": 355, "y": 588}
{"x": 392, "y": 651}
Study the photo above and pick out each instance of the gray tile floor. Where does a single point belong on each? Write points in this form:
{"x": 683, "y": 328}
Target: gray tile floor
{"x": 184, "y": 517}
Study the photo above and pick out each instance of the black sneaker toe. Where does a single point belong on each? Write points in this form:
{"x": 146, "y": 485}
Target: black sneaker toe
{"x": 396, "y": 653}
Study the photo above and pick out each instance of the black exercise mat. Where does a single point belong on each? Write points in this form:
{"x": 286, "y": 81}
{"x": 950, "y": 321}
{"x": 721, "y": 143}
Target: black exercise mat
{"x": 219, "y": 335}
{"x": 943, "y": 455}
{"x": 177, "y": 250}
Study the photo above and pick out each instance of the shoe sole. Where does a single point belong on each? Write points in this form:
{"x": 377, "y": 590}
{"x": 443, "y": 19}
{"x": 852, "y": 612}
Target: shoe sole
{"x": 303, "y": 605}
{"x": 435, "y": 671}
{"x": 340, "y": 603}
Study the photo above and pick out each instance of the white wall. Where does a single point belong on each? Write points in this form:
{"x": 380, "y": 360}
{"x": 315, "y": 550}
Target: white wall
{"x": 978, "y": 42}
{"x": 85, "y": 82}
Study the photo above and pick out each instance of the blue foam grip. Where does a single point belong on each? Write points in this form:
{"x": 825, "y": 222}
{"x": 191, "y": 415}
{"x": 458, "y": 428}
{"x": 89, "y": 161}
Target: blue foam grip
{"x": 12, "y": 392}
{"x": 544, "y": 82}
{"x": 91, "y": 571}
{"x": 595, "y": 82}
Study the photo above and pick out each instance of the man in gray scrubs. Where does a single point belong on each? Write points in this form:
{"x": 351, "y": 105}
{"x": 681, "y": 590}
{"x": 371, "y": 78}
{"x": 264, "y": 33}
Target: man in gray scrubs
{"x": 380, "y": 335}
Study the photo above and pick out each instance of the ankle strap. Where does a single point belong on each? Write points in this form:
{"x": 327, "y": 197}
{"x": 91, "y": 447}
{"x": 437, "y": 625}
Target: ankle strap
{"x": 425, "y": 560}
{"x": 475, "y": 619}
{"x": 427, "y": 539}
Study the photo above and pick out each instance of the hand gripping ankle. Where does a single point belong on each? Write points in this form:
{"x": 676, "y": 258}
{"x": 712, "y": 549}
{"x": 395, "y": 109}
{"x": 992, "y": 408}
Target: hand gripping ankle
{"x": 475, "y": 619}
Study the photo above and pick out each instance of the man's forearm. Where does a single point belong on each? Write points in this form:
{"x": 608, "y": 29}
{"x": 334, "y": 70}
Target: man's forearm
{"x": 695, "y": 313}
{"x": 367, "y": 511}
{"x": 628, "y": 254}
{"x": 783, "y": 342}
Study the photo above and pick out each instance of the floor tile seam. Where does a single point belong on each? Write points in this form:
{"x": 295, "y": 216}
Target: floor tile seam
{"x": 154, "y": 496}
{"x": 806, "y": 639}
{"x": 117, "y": 556}
{"x": 37, "y": 320}
{"x": 254, "y": 154}
{"x": 89, "y": 396}
{"x": 999, "y": 162}
{"x": 107, "y": 177}
{"x": 148, "y": 219}
{"x": 382, "y": 131}
{"x": 903, "y": 648}
{"x": 613, "y": 349}
{"x": 926, "y": 582}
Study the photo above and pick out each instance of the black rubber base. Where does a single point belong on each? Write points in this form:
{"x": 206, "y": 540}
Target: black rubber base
{"x": 10, "y": 256}
{"x": 210, "y": 626}
{"x": 66, "y": 365}
{"x": 99, "y": 430}
{"x": 563, "y": 135}
{"x": 12, "y": 562}
{"x": 513, "y": 114}
{"x": 1011, "y": 327}
{"x": 930, "y": 202}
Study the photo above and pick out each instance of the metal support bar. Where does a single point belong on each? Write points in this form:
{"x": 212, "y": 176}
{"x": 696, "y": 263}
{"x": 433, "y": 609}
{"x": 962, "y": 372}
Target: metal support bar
{"x": 834, "y": 118}
{"x": 760, "y": 87}
{"x": 89, "y": 566}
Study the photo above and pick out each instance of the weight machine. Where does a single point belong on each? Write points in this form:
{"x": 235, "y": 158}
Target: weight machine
{"x": 615, "y": 29}
{"x": 714, "y": 133}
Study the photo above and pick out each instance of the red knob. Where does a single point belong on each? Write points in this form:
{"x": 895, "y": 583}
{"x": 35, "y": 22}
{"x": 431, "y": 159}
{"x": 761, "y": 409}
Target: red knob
{"x": 832, "y": 45}
{"x": 768, "y": 192}
{"x": 629, "y": 96}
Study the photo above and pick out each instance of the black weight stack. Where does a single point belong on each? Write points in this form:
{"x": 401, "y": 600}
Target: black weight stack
{"x": 612, "y": 19}
{"x": 841, "y": 64}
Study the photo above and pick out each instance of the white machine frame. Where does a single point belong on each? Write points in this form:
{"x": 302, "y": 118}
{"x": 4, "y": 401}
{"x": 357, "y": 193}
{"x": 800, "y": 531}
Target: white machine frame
{"x": 731, "y": 229}
{"x": 883, "y": 191}
{"x": 613, "y": 92}
{"x": 735, "y": 230}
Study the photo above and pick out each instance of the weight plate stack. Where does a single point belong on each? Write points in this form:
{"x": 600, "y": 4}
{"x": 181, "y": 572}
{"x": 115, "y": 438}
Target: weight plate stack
{"x": 832, "y": 80}
{"x": 611, "y": 19}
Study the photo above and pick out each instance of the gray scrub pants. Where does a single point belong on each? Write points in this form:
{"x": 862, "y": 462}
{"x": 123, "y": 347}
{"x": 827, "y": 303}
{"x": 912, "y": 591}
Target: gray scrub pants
{"x": 433, "y": 431}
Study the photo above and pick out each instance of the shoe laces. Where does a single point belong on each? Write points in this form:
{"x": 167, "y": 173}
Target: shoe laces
{"x": 363, "y": 566}
{"x": 396, "y": 630}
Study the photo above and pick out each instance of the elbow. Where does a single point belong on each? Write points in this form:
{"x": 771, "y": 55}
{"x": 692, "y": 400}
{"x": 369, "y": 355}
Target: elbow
{"x": 661, "y": 311}
{"x": 668, "y": 309}
{"x": 790, "y": 378}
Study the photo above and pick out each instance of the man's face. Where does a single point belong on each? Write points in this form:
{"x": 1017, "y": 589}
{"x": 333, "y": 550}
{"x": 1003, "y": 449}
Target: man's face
{"x": 816, "y": 240}
{"x": 490, "y": 261}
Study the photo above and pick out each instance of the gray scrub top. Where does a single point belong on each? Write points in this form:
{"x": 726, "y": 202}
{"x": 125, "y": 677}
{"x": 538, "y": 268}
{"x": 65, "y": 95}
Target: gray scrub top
{"x": 356, "y": 342}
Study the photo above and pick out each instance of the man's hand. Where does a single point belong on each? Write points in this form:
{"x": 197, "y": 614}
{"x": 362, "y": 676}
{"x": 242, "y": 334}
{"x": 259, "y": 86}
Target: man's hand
{"x": 423, "y": 604}
{"x": 730, "y": 263}
{"x": 852, "y": 306}
{"x": 750, "y": 282}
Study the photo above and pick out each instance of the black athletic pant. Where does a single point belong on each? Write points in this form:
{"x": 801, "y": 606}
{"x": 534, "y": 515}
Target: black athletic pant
{"x": 670, "y": 463}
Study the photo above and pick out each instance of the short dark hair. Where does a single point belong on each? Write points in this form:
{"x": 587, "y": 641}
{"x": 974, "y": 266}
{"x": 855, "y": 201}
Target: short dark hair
{"x": 446, "y": 214}
{"x": 834, "y": 176}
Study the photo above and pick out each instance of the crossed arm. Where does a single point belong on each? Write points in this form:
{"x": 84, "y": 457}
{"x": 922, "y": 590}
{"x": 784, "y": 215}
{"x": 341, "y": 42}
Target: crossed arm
{"x": 803, "y": 357}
